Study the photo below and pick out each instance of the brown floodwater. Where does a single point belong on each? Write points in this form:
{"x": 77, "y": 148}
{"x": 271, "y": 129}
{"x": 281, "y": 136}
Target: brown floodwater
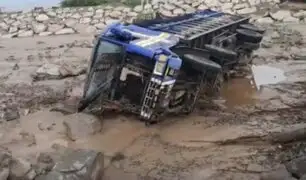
{"x": 238, "y": 92}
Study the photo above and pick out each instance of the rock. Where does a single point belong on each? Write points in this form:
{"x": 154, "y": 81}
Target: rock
{"x": 115, "y": 14}
{"x": 169, "y": 7}
{"x": 301, "y": 14}
{"x": 65, "y": 31}
{"x": 290, "y": 19}
{"x": 247, "y": 10}
{"x": 39, "y": 27}
{"x": 4, "y": 26}
{"x": 297, "y": 167}
{"x": 265, "y": 20}
{"x": 100, "y": 26}
{"x": 88, "y": 14}
{"x": 10, "y": 114}
{"x": 48, "y": 71}
{"x": 76, "y": 16}
{"x": 45, "y": 33}
{"x": 178, "y": 12}
{"x": 202, "y": 7}
{"x": 25, "y": 33}
{"x": 226, "y": 6}
{"x": 81, "y": 125}
{"x": 44, "y": 163}
{"x": 132, "y": 14}
{"x": 13, "y": 29}
{"x": 51, "y": 13}
{"x": 279, "y": 174}
{"x": 5, "y": 158}
{"x": 55, "y": 27}
{"x": 85, "y": 20}
{"x": 280, "y": 15}
{"x": 111, "y": 21}
{"x": 4, "y": 173}
{"x": 12, "y": 35}
{"x": 71, "y": 23}
{"x": 166, "y": 13}
{"x": 21, "y": 170}
{"x": 42, "y": 18}
{"x": 77, "y": 165}
{"x": 99, "y": 11}
{"x": 138, "y": 9}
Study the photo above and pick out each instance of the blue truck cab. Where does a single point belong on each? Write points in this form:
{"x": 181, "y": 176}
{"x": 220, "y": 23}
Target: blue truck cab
{"x": 160, "y": 66}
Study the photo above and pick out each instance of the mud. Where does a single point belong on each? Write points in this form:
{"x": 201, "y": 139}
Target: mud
{"x": 179, "y": 148}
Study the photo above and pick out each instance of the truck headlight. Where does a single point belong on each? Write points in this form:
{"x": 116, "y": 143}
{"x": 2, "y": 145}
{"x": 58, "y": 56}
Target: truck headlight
{"x": 160, "y": 65}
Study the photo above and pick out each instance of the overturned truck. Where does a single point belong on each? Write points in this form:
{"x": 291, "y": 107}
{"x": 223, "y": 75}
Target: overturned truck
{"x": 160, "y": 66}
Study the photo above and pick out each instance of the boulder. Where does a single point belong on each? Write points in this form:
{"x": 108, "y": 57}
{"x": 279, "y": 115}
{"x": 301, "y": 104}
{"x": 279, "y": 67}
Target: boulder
{"x": 42, "y": 18}
{"x": 28, "y": 33}
{"x": 55, "y": 27}
{"x": 21, "y": 169}
{"x": 65, "y": 31}
{"x": 48, "y": 71}
{"x": 81, "y": 125}
{"x": 77, "y": 165}
{"x": 138, "y": 9}
{"x": 265, "y": 20}
{"x": 39, "y": 27}
{"x": 297, "y": 167}
{"x": 247, "y": 10}
{"x": 45, "y": 33}
{"x": 178, "y": 11}
{"x": 71, "y": 22}
{"x": 100, "y": 26}
{"x": 280, "y": 15}
{"x": 85, "y": 20}
{"x": 13, "y": 29}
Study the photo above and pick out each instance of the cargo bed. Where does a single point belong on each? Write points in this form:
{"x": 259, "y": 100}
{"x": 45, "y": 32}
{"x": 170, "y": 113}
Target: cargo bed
{"x": 190, "y": 27}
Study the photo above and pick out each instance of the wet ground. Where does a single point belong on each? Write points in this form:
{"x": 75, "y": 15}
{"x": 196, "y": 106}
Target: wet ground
{"x": 190, "y": 147}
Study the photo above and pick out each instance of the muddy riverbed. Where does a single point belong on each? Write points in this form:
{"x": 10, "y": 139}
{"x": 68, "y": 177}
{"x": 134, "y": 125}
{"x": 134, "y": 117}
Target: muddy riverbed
{"x": 38, "y": 73}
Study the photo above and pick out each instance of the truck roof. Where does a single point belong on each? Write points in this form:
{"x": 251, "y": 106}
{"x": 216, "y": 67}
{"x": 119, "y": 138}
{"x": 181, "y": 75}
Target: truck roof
{"x": 191, "y": 26}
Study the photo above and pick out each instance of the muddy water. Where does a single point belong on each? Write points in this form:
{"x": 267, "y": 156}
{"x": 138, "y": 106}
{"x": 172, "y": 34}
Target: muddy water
{"x": 238, "y": 92}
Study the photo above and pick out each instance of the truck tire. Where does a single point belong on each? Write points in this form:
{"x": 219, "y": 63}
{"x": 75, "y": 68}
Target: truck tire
{"x": 251, "y": 46}
{"x": 221, "y": 52}
{"x": 252, "y": 28}
{"x": 246, "y": 35}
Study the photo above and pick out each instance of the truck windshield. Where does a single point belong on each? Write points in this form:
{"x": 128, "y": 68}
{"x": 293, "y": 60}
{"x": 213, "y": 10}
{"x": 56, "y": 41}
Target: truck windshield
{"x": 105, "y": 61}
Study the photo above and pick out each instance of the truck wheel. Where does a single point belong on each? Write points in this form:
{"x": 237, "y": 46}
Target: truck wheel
{"x": 252, "y": 28}
{"x": 221, "y": 52}
{"x": 246, "y": 35}
{"x": 251, "y": 46}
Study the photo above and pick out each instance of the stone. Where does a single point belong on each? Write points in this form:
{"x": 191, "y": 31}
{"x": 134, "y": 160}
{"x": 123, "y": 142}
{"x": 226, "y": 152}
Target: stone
{"x": 55, "y": 27}
{"x": 279, "y": 174}
{"x": 178, "y": 12}
{"x": 115, "y": 14}
{"x": 291, "y": 19}
{"x": 297, "y": 167}
{"x": 111, "y": 21}
{"x": 85, "y": 20}
{"x": 48, "y": 71}
{"x": 280, "y": 15}
{"x": 13, "y": 29}
{"x": 51, "y": 13}
{"x": 21, "y": 170}
{"x": 65, "y": 31}
{"x": 77, "y": 165}
{"x": 240, "y": 6}
{"x": 132, "y": 14}
{"x": 82, "y": 125}
{"x": 138, "y": 9}
{"x": 166, "y": 13}
{"x": 100, "y": 26}
{"x": 4, "y": 173}
{"x": 39, "y": 27}
{"x": 247, "y": 10}
{"x": 265, "y": 20}
{"x": 4, "y": 26}
{"x": 25, "y": 33}
{"x": 45, "y": 33}
{"x": 226, "y": 6}
{"x": 301, "y": 14}
{"x": 76, "y": 16}
{"x": 202, "y": 7}
{"x": 99, "y": 11}
{"x": 169, "y": 7}
{"x": 42, "y": 18}
{"x": 71, "y": 22}
{"x": 10, "y": 114}
{"x": 7, "y": 36}
{"x": 88, "y": 14}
